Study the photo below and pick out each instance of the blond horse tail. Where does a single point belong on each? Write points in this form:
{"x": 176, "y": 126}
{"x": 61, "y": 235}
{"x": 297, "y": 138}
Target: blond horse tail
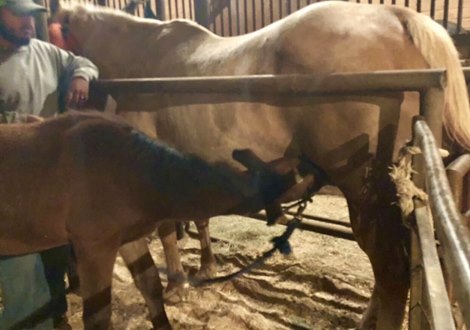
{"x": 437, "y": 48}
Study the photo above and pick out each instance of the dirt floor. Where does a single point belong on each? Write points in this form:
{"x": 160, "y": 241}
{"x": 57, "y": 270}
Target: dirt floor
{"x": 324, "y": 284}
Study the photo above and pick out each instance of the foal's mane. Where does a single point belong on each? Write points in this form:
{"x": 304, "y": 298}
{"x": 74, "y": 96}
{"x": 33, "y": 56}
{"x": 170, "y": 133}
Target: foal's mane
{"x": 170, "y": 168}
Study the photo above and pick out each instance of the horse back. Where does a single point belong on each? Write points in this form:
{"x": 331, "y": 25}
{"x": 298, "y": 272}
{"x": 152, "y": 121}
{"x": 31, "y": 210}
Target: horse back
{"x": 41, "y": 172}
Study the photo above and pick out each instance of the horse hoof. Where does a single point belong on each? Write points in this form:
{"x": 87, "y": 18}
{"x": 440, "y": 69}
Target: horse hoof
{"x": 206, "y": 272}
{"x": 175, "y": 293}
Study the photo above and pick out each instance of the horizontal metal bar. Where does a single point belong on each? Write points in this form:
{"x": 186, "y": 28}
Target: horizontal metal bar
{"x": 346, "y": 83}
{"x": 451, "y": 231}
{"x": 322, "y": 219}
{"x": 461, "y": 165}
{"x": 466, "y": 72}
{"x": 436, "y": 292}
{"x": 318, "y": 227}
{"x": 456, "y": 171}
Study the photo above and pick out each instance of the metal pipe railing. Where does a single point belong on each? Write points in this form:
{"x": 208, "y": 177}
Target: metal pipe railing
{"x": 456, "y": 172}
{"x": 336, "y": 83}
{"x": 317, "y": 226}
{"x": 453, "y": 235}
{"x": 161, "y": 93}
{"x": 466, "y": 72}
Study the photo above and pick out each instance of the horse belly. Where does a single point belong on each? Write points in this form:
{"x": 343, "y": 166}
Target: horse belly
{"x": 347, "y": 135}
{"x": 213, "y": 131}
{"x": 32, "y": 223}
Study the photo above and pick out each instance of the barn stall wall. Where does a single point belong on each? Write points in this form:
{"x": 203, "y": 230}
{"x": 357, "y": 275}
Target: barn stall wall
{"x": 235, "y": 17}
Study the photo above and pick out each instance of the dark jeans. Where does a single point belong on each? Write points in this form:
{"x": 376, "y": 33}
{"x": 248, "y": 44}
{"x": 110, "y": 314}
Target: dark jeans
{"x": 33, "y": 289}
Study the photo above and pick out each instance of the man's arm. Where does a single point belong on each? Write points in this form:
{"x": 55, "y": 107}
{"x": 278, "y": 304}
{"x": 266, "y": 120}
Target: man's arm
{"x": 74, "y": 65}
{"x": 77, "y": 71}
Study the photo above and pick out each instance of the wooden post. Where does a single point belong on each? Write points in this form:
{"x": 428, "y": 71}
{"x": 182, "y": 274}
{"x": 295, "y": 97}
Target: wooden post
{"x": 416, "y": 312}
{"x": 416, "y": 283}
{"x": 202, "y": 12}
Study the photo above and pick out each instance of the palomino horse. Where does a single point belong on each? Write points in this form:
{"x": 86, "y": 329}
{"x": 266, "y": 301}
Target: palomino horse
{"x": 353, "y": 139}
{"x": 98, "y": 183}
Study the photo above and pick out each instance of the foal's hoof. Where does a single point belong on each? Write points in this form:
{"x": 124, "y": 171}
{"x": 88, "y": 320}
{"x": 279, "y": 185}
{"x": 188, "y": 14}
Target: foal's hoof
{"x": 175, "y": 293}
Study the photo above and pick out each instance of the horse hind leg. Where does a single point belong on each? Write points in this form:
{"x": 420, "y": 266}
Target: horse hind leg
{"x": 381, "y": 235}
{"x": 386, "y": 308}
{"x": 369, "y": 318}
{"x": 140, "y": 263}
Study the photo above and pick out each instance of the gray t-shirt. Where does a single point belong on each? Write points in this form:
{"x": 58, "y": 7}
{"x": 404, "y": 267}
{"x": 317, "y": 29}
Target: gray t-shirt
{"x": 33, "y": 72}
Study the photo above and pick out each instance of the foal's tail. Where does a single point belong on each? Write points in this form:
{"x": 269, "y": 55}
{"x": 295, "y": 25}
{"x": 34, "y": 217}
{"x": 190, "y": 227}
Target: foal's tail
{"x": 438, "y": 49}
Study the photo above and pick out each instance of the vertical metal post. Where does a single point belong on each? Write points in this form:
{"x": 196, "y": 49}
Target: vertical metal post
{"x": 177, "y": 10}
{"x": 253, "y": 14}
{"x": 432, "y": 102}
{"x": 230, "y": 23}
{"x": 460, "y": 16}
{"x": 456, "y": 172}
{"x": 445, "y": 20}
{"x": 222, "y": 22}
{"x": 41, "y": 23}
{"x": 160, "y": 10}
{"x": 201, "y": 12}
{"x": 54, "y": 6}
{"x": 466, "y": 194}
{"x": 245, "y": 12}
{"x": 237, "y": 11}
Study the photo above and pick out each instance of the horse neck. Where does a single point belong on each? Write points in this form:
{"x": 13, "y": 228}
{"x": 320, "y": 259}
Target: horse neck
{"x": 173, "y": 48}
{"x": 125, "y": 40}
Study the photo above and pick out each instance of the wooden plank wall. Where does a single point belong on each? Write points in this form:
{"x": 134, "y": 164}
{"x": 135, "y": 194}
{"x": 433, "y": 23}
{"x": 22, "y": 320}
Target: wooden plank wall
{"x": 234, "y": 17}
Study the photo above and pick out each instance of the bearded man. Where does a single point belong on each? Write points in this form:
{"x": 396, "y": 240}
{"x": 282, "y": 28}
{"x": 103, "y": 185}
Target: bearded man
{"x": 32, "y": 286}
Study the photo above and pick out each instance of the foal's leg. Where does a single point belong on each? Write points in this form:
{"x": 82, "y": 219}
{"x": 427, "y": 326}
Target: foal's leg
{"x": 95, "y": 268}
{"x": 208, "y": 264}
{"x": 138, "y": 259}
{"x": 176, "y": 274}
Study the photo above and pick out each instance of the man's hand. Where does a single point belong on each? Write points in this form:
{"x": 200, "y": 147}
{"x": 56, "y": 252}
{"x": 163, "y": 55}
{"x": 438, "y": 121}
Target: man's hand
{"x": 77, "y": 95}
